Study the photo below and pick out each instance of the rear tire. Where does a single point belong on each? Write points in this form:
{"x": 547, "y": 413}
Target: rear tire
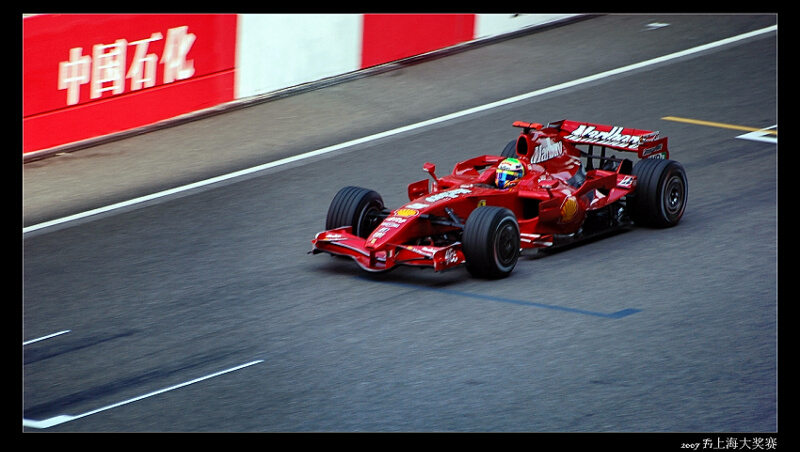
{"x": 510, "y": 150}
{"x": 659, "y": 199}
{"x": 356, "y": 207}
{"x": 491, "y": 242}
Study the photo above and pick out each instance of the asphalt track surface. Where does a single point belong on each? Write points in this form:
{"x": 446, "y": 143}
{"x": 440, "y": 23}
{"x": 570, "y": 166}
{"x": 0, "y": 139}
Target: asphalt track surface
{"x": 200, "y": 309}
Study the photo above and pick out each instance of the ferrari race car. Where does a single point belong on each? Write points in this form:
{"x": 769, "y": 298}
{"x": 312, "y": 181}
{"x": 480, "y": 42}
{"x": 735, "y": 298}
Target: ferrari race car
{"x": 569, "y": 189}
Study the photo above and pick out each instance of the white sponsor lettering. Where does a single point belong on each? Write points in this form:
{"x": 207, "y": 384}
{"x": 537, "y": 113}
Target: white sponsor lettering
{"x": 626, "y": 181}
{"x": 613, "y": 137}
{"x": 450, "y": 194}
{"x": 379, "y": 233}
{"x": 105, "y": 69}
{"x": 451, "y": 256}
{"x": 652, "y": 150}
{"x": 546, "y": 150}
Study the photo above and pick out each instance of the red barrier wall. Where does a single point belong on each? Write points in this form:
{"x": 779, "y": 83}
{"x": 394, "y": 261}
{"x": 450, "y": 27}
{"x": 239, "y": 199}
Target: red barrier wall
{"x": 389, "y": 37}
{"x": 91, "y": 75}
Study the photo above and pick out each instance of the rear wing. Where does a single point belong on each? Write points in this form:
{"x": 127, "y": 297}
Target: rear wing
{"x": 645, "y": 143}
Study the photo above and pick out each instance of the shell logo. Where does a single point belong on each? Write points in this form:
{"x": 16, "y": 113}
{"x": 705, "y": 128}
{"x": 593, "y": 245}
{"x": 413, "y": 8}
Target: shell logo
{"x": 406, "y": 212}
{"x": 568, "y": 208}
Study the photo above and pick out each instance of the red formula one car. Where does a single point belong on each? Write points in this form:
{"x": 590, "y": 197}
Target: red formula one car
{"x": 569, "y": 189}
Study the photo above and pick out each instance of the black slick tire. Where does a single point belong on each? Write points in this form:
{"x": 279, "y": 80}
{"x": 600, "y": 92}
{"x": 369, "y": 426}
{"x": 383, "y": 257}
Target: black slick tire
{"x": 491, "y": 242}
{"x": 510, "y": 150}
{"x": 659, "y": 199}
{"x": 357, "y": 207}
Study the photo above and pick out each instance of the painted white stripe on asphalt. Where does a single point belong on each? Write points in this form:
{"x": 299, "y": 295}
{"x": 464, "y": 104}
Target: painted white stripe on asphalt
{"x": 761, "y": 135}
{"x": 60, "y": 419}
{"x": 45, "y": 337}
{"x": 407, "y": 128}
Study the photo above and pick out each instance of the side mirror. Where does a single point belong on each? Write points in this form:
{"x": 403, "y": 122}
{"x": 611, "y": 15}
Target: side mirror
{"x": 430, "y": 168}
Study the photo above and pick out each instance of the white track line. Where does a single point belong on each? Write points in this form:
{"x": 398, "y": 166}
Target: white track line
{"x": 761, "y": 135}
{"x": 45, "y": 337}
{"x": 60, "y": 419}
{"x": 407, "y": 128}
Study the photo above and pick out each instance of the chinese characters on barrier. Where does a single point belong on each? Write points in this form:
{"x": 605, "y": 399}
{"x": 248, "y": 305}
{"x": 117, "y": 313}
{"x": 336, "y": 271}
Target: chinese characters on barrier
{"x": 105, "y": 69}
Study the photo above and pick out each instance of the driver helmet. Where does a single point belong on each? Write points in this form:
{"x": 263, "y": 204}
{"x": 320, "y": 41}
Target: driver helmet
{"x": 508, "y": 173}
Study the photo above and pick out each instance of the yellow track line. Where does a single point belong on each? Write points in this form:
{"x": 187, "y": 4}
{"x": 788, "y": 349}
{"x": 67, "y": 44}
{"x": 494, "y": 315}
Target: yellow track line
{"x": 719, "y": 124}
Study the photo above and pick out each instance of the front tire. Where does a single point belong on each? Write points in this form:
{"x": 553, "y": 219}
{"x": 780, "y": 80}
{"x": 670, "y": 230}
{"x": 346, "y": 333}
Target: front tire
{"x": 491, "y": 242}
{"x": 357, "y": 207}
{"x": 659, "y": 199}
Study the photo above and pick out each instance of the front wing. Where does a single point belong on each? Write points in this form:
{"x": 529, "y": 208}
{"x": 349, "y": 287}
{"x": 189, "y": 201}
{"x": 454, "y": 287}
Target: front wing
{"x": 342, "y": 242}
